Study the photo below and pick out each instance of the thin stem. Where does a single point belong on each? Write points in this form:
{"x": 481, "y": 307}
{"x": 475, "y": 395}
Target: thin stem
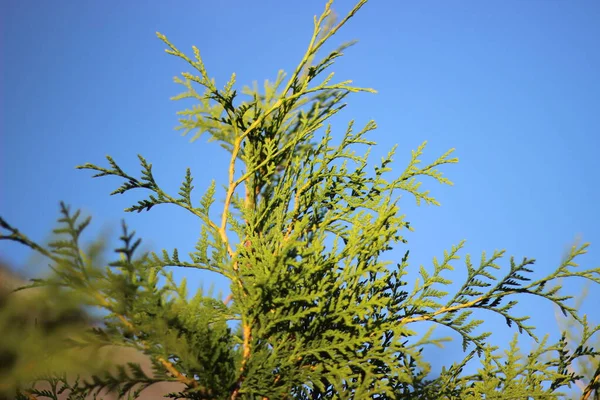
{"x": 590, "y": 387}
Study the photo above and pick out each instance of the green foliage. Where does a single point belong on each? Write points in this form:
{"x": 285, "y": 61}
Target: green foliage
{"x": 316, "y": 311}
{"x": 586, "y": 367}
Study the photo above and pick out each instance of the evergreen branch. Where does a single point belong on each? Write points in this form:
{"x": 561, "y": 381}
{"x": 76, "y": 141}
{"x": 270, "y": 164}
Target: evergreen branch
{"x": 490, "y": 300}
{"x": 17, "y": 236}
{"x": 120, "y": 382}
{"x": 168, "y": 261}
{"x": 84, "y": 283}
{"x": 280, "y": 102}
{"x": 321, "y": 313}
{"x": 594, "y": 385}
{"x": 162, "y": 197}
{"x": 163, "y": 361}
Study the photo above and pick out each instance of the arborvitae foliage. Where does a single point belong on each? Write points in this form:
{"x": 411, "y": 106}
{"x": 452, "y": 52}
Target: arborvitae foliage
{"x": 587, "y": 367}
{"x": 317, "y": 309}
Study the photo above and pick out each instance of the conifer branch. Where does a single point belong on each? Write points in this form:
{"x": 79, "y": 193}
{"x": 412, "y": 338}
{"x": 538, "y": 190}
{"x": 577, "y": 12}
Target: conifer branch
{"x": 74, "y": 255}
{"x": 17, "y": 236}
{"x": 315, "y": 309}
{"x": 594, "y": 385}
{"x": 285, "y": 98}
{"x": 165, "y": 363}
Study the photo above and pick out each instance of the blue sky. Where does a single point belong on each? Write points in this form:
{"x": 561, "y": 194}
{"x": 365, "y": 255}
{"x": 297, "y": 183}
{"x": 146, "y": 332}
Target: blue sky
{"x": 512, "y": 85}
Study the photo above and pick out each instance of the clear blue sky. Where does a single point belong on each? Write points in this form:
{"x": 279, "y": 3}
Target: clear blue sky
{"x": 513, "y": 85}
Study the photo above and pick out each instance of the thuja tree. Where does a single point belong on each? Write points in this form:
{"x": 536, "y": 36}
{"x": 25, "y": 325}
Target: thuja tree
{"x": 586, "y": 367}
{"x": 317, "y": 309}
